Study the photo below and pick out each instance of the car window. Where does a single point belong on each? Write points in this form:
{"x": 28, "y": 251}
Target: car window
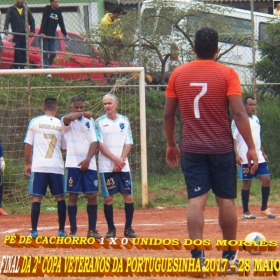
{"x": 235, "y": 30}
{"x": 36, "y": 43}
{"x": 76, "y": 45}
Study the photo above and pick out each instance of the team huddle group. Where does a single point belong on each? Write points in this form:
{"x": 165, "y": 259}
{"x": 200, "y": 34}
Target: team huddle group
{"x": 80, "y": 136}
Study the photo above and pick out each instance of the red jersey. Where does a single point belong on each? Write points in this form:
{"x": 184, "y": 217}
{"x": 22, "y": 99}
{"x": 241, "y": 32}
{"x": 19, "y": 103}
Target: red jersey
{"x": 202, "y": 88}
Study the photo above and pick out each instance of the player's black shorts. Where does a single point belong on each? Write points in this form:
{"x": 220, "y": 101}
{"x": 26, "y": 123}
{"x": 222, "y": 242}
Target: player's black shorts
{"x": 114, "y": 182}
{"x": 206, "y": 171}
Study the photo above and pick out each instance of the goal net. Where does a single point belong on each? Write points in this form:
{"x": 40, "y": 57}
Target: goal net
{"x": 21, "y": 96}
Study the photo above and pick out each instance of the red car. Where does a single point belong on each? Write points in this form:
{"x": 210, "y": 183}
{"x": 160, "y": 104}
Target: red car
{"x": 75, "y": 53}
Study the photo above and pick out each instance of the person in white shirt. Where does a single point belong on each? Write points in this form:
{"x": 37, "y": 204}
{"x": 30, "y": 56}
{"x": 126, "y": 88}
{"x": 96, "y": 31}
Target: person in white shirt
{"x": 262, "y": 172}
{"x": 81, "y": 172}
{"x": 44, "y": 163}
{"x": 115, "y": 140}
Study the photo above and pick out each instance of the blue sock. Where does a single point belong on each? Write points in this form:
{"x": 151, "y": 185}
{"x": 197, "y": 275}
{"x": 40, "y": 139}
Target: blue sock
{"x": 197, "y": 253}
{"x": 72, "y": 214}
{"x": 35, "y": 213}
{"x": 92, "y": 216}
{"x": 129, "y": 210}
{"x": 109, "y": 215}
{"x": 265, "y": 195}
{"x": 61, "y": 211}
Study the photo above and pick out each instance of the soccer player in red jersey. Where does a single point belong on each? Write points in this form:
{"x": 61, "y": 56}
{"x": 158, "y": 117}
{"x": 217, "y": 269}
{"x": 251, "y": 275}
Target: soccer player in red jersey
{"x": 203, "y": 89}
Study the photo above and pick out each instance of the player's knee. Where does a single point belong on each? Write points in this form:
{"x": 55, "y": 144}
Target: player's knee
{"x": 73, "y": 198}
{"x": 128, "y": 198}
{"x": 108, "y": 200}
{"x": 92, "y": 198}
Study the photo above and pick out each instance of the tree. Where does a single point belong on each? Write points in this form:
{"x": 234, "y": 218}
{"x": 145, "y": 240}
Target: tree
{"x": 268, "y": 69}
{"x": 167, "y": 34}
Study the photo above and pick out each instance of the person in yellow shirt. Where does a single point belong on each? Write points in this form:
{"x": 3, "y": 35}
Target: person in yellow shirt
{"x": 111, "y": 34}
{"x": 110, "y": 28}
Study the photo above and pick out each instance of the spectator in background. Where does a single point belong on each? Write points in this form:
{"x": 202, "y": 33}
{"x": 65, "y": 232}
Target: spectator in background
{"x": 111, "y": 32}
{"x": 276, "y": 11}
{"x": 110, "y": 29}
{"x": 16, "y": 17}
{"x": 2, "y": 168}
{"x": 52, "y": 16}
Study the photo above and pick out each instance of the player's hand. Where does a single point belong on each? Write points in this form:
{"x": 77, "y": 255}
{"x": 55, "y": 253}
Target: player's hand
{"x": 42, "y": 35}
{"x": 120, "y": 163}
{"x": 31, "y": 34}
{"x": 84, "y": 165}
{"x": 3, "y": 165}
{"x": 88, "y": 115}
{"x": 172, "y": 155}
{"x": 252, "y": 156}
{"x": 238, "y": 160}
{"x": 117, "y": 169}
{"x": 27, "y": 170}
{"x": 68, "y": 38}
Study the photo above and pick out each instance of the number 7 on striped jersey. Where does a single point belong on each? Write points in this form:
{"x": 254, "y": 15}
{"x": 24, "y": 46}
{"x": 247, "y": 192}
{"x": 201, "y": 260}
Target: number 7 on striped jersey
{"x": 202, "y": 92}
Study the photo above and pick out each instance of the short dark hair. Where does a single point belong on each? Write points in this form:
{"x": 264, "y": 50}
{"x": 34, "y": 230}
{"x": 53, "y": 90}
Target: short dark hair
{"x": 77, "y": 99}
{"x": 50, "y": 103}
{"x": 51, "y": 1}
{"x": 118, "y": 10}
{"x": 246, "y": 99}
{"x": 206, "y": 42}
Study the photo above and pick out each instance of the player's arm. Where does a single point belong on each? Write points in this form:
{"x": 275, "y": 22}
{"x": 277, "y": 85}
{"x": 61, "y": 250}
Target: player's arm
{"x": 74, "y": 116}
{"x": 264, "y": 155}
{"x": 2, "y": 161}
{"x": 119, "y": 162}
{"x": 27, "y": 156}
{"x": 125, "y": 153}
{"x": 91, "y": 152}
{"x": 172, "y": 150}
{"x": 238, "y": 158}
{"x": 241, "y": 120}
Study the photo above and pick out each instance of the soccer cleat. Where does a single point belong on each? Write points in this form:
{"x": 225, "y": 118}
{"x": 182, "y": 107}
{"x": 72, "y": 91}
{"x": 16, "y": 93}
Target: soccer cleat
{"x": 94, "y": 233}
{"x": 248, "y": 215}
{"x": 33, "y": 233}
{"x": 266, "y": 213}
{"x": 111, "y": 233}
{"x": 129, "y": 232}
{"x": 2, "y": 212}
{"x": 73, "y": 233}
{"x": 62, "y": 233}
{"x": 232, "y": 264}
{"x": 49, "y": 75}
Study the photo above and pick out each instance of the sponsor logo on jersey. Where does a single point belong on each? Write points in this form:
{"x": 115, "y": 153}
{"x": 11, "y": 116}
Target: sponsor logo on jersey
{"x": 88, "y": 125}
{"x": 121, "y": 126}
{"x": 197, "y": 189}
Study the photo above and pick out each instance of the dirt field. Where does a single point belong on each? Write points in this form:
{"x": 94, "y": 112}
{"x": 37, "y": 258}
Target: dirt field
{"x": 150, "y": 223}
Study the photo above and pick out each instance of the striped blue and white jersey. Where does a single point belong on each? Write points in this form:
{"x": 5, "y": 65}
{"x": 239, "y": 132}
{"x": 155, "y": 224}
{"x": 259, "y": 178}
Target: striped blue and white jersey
{"x": 45, "y": 135}
{"x": 78, "y": 136}
{"x": 114, "y": 134}
{"x": 242, "y": 148}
